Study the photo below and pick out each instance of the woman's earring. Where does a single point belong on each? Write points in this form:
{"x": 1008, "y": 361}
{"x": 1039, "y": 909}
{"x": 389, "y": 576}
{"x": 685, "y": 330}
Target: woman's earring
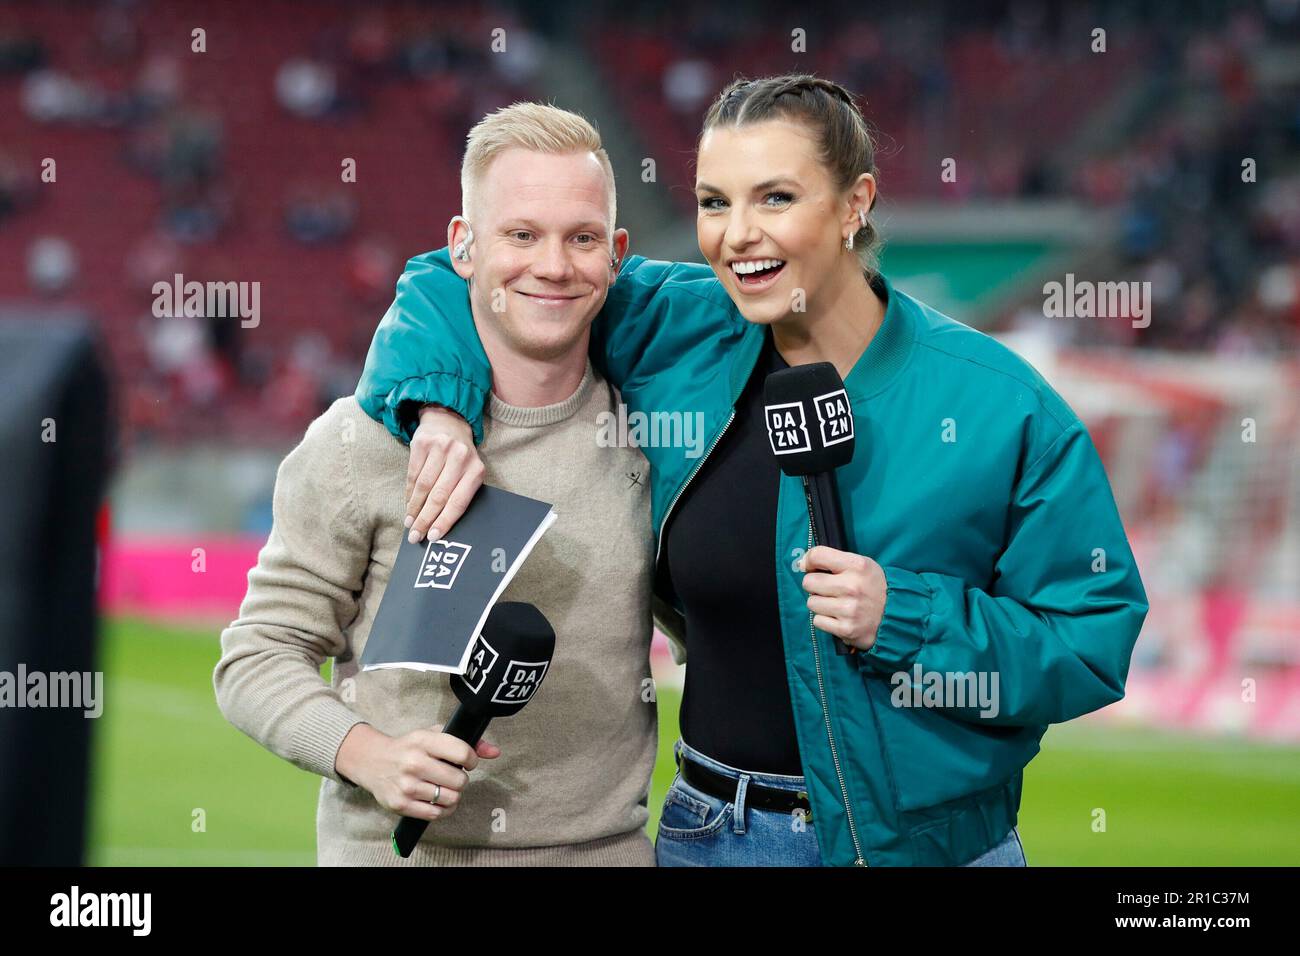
{"x": 862, "y": 219}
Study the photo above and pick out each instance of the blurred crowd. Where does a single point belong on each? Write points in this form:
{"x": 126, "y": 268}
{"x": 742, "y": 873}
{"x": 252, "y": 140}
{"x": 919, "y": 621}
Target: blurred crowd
{"x": 172, "y": 160}
{"x": 1207, "y": 188}
{"x": 161, "y": 181}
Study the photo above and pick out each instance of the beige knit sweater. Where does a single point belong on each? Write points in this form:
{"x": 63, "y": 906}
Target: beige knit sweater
{"x": 571, "y": 784}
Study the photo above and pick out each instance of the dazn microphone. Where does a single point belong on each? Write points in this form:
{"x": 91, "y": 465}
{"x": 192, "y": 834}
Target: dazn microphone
{"x": 506, "y": 665}
{"x": 810, "y": 427}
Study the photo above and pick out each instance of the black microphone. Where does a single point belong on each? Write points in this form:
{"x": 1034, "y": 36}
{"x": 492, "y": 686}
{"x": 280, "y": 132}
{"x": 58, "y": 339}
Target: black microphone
{"x": 810, "y": 427}
{"x": 506, "y": 665}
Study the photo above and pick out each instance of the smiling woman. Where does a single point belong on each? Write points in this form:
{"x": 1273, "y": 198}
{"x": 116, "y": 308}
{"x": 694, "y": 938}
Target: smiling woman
{"x": 786, "y": 178}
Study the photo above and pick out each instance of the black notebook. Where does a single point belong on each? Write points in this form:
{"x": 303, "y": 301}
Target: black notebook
{"x": 440, "y": 592}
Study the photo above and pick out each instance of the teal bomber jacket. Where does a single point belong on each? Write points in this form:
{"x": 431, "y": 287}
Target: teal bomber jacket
{"x": 1013, "y": 598}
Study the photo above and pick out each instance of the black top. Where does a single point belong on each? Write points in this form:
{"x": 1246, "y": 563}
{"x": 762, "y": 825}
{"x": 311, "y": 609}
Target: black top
{"x": 720, "y": 557}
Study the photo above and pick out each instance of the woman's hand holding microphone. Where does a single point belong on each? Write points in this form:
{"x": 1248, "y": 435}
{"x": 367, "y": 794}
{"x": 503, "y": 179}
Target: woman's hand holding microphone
{"x": 846, "y": 594}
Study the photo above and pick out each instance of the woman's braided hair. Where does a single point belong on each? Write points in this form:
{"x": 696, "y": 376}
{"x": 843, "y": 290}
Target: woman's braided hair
{"x": 843, "y": 139}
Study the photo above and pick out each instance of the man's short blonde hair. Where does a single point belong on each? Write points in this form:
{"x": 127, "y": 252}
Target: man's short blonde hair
{"x": 535, "y": 126}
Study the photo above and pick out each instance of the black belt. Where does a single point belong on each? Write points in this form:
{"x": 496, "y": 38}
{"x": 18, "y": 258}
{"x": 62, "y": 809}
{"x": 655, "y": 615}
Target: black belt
{"x": 722, "y": 787}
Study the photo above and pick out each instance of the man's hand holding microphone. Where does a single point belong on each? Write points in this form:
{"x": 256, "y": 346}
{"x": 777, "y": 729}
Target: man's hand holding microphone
{"x": 416, "y": 775}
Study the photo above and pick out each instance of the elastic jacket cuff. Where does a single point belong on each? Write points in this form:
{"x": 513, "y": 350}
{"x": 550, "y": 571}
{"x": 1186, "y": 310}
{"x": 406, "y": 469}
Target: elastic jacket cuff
{"x": 438, "y": 388}
{"x": 903, "y": 627}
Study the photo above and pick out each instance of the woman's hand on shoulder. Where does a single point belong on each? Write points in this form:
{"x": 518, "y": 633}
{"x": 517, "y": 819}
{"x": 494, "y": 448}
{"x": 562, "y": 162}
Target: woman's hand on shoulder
{"x": 443, "y": 474}
{"x": 846, "y": 594}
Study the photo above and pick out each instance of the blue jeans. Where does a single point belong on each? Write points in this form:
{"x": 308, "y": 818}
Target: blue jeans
{"x": 1009, "y": 852}
{"x": 696, "y": 829}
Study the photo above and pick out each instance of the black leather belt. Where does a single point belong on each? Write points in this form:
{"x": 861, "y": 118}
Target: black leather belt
{"x": 722, "y": 787}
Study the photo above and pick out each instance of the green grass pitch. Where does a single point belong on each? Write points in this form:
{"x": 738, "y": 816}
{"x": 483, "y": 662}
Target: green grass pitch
{"x": 162, "y": 751}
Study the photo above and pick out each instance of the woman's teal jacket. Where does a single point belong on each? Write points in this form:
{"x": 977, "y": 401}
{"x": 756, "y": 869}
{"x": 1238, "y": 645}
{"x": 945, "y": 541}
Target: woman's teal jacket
{"x": 1013, "y": 598}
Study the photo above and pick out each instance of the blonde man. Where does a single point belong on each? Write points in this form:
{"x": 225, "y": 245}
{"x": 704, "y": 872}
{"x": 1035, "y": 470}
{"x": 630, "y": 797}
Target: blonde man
{"x": 568, "y": 779}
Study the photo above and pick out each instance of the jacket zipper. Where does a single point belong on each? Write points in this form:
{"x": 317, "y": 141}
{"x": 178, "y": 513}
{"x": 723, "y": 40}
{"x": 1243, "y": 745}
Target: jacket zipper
{"x": 826, "y": 714}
